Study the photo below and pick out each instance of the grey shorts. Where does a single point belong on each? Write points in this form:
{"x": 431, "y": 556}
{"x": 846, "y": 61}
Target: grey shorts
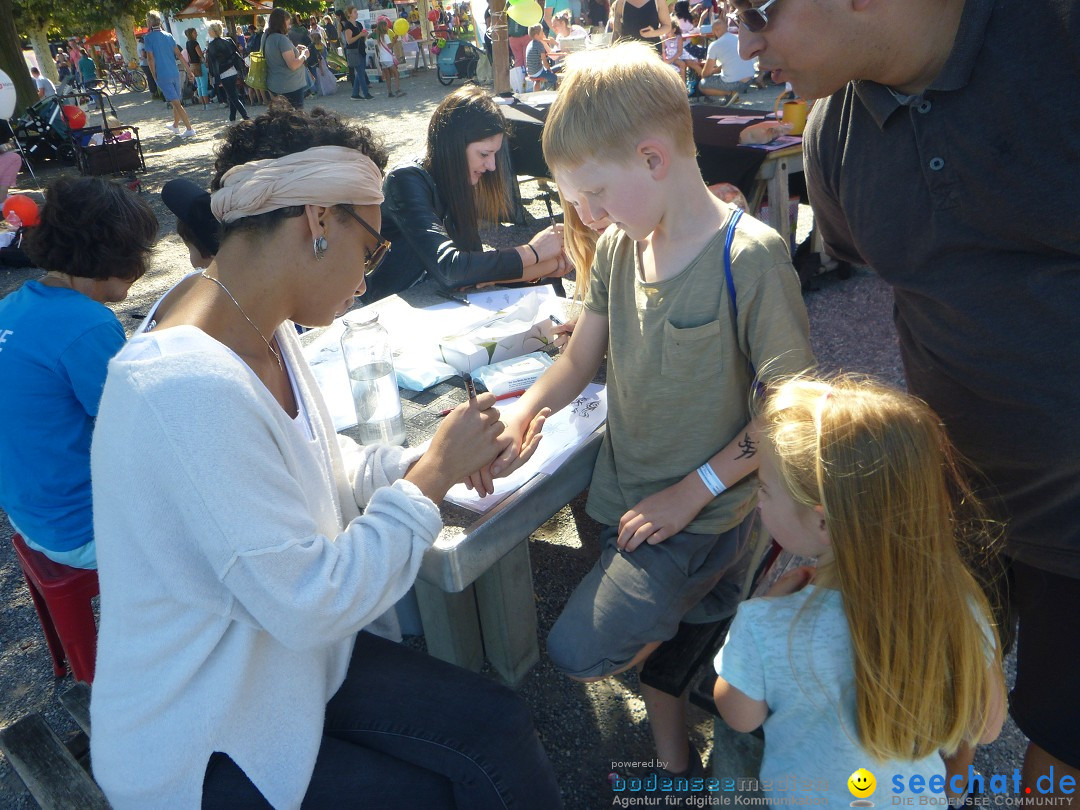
{"x": 632, "y": 599}
{"x": 714, "y": 82}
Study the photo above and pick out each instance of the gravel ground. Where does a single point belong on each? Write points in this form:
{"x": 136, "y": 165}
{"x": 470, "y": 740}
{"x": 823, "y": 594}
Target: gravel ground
{"x": 584, "y": 727}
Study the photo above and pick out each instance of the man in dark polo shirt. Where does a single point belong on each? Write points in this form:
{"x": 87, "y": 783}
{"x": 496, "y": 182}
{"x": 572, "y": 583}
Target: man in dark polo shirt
{"x": 934, "y": 159}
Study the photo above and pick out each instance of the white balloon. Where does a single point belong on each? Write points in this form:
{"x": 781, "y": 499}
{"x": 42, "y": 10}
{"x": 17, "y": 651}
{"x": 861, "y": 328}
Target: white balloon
{"x": 7, "y": 96}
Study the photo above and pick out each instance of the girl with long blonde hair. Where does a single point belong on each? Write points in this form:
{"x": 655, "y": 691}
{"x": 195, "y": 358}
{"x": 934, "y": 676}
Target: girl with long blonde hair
{"x": 387, "y": 60}
{"x": 886, "y": 657}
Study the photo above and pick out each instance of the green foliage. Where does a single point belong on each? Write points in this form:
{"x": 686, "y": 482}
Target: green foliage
{"x": 308, "y": 6}
{"x": 66, "y": 19}
{"x": 47, "y": 13}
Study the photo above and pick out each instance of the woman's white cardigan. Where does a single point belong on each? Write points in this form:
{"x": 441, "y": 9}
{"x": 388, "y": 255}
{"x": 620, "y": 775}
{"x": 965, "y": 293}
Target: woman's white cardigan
{"x": 235, "y": 568}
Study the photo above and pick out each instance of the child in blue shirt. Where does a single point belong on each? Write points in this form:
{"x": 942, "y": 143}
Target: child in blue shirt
{"x": 883, "y": 656}
{"x": 56, "y": 340}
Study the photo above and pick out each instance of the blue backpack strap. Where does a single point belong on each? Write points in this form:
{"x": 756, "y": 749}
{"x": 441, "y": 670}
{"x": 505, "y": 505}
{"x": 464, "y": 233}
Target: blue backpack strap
{"x": 736, "y": 215}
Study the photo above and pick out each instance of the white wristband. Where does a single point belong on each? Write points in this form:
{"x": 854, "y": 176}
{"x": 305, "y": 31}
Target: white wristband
{"x": 710, "y": 479}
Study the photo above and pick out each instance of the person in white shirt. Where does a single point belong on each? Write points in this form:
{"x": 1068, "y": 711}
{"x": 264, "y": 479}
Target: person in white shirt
{"x": 243, "y": 545}
{"x": 45, "y": 88}
{"x": 725, "y": 73}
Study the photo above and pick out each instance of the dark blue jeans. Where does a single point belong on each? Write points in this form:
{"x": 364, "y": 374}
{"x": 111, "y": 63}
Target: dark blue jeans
{"x": 360, "y": 82}
{"x": 406, "y": 730}
{"x": 235, "y": 104}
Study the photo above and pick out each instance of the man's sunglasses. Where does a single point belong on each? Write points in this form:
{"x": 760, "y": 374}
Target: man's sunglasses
{"x": 375, "y": 258}
{"x": 753, "y": 18}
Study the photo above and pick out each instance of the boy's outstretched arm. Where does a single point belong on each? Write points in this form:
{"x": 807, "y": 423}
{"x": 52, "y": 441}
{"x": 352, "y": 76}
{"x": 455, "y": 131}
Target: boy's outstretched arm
{"x": 740, "y": 712}
{"x": 555, "y": 389}
{"x": 669, "y": 511}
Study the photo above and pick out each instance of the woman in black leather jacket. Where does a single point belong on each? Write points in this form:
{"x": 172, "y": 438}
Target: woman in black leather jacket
{"x": 432, "y": 208}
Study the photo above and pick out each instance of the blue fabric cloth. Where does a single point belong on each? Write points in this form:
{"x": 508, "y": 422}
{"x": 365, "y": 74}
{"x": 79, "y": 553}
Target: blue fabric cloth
{"x": 55, "y": 346}
{"x": 163, "y": 47}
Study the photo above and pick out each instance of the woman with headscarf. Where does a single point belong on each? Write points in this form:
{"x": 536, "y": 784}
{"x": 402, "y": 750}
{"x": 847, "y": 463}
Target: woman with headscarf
{"x": 237, "y": 570}
{"x": 434, "y": 206}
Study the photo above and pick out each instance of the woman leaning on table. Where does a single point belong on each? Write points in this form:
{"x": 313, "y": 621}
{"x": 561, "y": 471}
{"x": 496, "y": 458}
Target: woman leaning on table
{"x": 433, "y": 207}
{"x": 237, "y": 571}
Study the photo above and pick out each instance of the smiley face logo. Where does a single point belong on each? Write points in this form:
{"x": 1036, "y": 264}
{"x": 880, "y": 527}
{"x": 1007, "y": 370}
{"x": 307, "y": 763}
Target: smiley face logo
{"x": 862, "y": 784}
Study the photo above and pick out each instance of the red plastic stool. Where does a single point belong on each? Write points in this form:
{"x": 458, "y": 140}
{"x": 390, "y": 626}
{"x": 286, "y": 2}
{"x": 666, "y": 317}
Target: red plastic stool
{"x": 62, "y": 597}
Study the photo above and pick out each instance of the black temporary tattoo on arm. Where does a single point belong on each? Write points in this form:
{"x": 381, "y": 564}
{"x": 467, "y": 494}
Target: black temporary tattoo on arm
{"x": 747, "y": 446}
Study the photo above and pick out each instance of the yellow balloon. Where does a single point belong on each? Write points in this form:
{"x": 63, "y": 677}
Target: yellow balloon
{"x": 525, "y": 13}
{"x": 401, "y": 26}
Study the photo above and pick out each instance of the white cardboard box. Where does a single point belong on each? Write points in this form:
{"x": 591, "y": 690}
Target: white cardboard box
{"x": 508, "y": 333}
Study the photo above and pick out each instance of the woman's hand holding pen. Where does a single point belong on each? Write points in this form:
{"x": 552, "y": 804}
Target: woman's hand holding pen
{"x": 468, "y": 439}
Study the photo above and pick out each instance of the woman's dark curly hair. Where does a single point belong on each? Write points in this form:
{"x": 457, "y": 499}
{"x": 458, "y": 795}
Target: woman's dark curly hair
{"x": 283, "y": 130}
{"x": 93, "y": 228}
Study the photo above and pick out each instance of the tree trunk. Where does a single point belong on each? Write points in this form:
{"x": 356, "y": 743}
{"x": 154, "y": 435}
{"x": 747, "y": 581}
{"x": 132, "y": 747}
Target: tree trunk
{"x": 500, "y": 47}
{"x": 125, "y": 36}
{"x": 11, "y": 59}
{"x": 39, "y": 40}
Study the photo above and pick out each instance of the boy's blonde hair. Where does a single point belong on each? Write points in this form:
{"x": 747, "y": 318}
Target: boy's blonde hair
{"x": 611, "y": 99}
{"x": 897, "y": 510}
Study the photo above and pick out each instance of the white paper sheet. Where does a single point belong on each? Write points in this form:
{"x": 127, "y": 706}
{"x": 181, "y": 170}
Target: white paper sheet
{"x": 564, "y": 432}
{"x": 501, "y": 299}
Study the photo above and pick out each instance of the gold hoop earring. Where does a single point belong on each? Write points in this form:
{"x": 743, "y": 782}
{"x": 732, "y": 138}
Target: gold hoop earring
{"x": 319, "y": 245}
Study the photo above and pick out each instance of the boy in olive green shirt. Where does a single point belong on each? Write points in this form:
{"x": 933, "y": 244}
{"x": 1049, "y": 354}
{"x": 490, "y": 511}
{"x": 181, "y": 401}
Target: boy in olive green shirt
{"x": 673, "y": 482}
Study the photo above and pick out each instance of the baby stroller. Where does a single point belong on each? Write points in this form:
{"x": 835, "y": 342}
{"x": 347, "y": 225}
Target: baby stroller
{"x": 456, "y": 60}
{"x": 43, "y": 133}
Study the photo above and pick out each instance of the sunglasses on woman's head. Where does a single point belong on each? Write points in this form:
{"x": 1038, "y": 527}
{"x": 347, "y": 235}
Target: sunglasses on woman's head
{"x": 375, "y": 258}
{"x": 753, "y": 18}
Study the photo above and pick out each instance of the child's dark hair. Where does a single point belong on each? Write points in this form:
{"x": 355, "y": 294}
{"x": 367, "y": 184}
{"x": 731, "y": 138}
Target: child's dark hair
{"x": 283, "y": 130}
{"x": 93, "y": 228}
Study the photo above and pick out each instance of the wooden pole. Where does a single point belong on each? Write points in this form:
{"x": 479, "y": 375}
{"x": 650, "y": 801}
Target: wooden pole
{"x": 500, "y": 47}
{"x": 425, "y": 23}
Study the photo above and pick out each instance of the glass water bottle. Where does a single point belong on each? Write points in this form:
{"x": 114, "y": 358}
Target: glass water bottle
{"x": 370, "y": 362}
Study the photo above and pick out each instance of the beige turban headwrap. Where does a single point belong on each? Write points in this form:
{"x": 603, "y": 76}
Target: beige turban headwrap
{"x": 322, "y": 175}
